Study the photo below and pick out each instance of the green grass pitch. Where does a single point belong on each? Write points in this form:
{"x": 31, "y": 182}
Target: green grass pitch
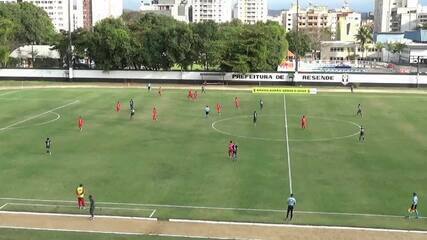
{"x": 182, "y": 160}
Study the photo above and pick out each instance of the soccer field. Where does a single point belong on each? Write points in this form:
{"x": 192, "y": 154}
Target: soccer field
{"x": 178, "y": 166}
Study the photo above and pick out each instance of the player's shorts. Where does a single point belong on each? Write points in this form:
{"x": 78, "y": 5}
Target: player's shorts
{"x": 414, "y": 207}
{"x": 207, "y": 113}
{"x": 47, "y": 147}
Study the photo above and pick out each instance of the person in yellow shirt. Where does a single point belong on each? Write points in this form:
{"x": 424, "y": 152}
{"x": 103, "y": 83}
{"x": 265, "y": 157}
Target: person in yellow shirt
{"x": 80, "y": 192}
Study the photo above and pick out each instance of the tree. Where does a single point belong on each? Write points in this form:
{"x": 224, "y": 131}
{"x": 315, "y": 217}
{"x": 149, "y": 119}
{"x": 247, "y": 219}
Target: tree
{"x": 111, "y": 42}
{"x": 7, "y": 35}
{"x": 23, "y": 23}
{"x": 207, "y": 43}
{"x": 364, "y": 36}
{"x": 379, "y": 46}
{"x": 36, "y": 26}
{"x": 397, "y": 48}
{"x": 299, "y": 42}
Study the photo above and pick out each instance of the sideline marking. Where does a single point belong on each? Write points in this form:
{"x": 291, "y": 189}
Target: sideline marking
{"x": 202, "y": 222}
{"x": 76, "y": 215}
{"x": 210, "y": 208}
{"x": 287, "y": 144}
{"x": 213, "y": 125}
{"x": 7, "y": 93}
{"x": 121, "y": 233}
{"x": 3, "y": 206}
{"x": 299, "y": 226}
{"x": 38, "y": 115}
{"x": 152, "y": 214}
{"x": 150, "y": 205}
{"x": 69, "y": 206}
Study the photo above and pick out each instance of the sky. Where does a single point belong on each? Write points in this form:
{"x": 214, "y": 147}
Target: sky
{"x": 358, "y": 5}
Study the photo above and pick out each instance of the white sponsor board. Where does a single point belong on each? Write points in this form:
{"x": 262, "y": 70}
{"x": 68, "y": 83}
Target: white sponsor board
{"x": 346, "y": 78}
{"x": 257, "y": 77}
{"x": 308, "y": 78}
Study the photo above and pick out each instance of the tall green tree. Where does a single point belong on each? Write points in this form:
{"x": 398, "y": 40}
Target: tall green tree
{"x": 207, "y": 43}
{"x": 299, "y": 42}
{"x": 111, "y": 42}
{"x": 7, "y": 35}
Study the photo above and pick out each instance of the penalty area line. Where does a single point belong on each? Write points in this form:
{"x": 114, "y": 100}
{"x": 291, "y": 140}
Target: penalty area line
{"x": 38, "y": 115}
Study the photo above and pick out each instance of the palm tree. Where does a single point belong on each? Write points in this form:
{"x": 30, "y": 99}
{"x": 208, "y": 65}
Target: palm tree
{"x": 379, "y": 46}
{"x": 364, "y": 36}
{"x": 398, "y": 48}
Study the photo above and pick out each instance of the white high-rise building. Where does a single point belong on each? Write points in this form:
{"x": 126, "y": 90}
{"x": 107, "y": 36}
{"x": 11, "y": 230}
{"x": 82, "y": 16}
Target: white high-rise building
{"x": 252, "y": 11}
{"x": 178, "y": 9}
{"x": 219, "y": 11}
{"x": 58, "y": 11}
{"x": 395, "y": 15}
{"x": 102, "y": 9}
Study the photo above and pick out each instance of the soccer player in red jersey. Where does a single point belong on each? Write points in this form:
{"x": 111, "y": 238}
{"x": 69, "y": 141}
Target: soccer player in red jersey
{"x": 154, "y": 114}
{"x": 81, "y": 123}
{"x": 231, "y": 149}
{"x": 237, "y": 102}
{"x": 304, "y": 122}
{"x": 118, "y": 106}
{"x": 190, "y": 94}
{"x": 218, "y": 108}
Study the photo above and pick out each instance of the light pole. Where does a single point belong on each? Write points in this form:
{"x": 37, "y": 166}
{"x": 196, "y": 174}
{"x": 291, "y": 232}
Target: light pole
{"x": 418, "y": 69}
{"x": 70, "y": 49}
{"x": 297, "y": 40}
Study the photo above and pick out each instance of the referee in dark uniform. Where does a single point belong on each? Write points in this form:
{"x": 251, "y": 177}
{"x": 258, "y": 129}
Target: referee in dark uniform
{"x": 92, "y": 207}
{"x": 291, "y": 205}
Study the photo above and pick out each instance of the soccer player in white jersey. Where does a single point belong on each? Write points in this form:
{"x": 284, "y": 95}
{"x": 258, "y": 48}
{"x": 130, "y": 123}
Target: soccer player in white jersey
{"x": 414, "y": 204}
{"x": 291, "y": 205}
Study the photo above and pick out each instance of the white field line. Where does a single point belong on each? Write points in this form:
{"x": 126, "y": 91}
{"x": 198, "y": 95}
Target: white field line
{"x": 76, "y": 215}
{"x": 200, "y": 222}
{"x": 209, "y": 208}
{"x": 38, "y": 115}
{"x": 121, "y": 233}
{"x": 152, "y": 214}
{"x": 298, "y": 226}
{"x": 214, "y": 127}
{"x": 58, "y": 116}
{"x": 150, "y": 205}
{"x": 287, "y": 144}
{"x": 69, "y": 206}
{"x": 7, "y": 93}
{"x": 3, "y": 206}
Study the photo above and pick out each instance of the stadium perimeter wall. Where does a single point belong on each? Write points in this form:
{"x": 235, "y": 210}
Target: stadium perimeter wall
{"x": 301, "y": 78}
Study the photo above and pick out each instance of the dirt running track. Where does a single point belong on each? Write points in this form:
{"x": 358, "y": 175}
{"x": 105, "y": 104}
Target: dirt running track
{"x": 215, "y": 230}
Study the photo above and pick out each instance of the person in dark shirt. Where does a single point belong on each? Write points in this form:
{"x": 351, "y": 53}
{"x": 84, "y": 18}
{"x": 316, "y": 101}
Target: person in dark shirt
{"x": 92, "y": 207}
{"x": 48, "y": 145}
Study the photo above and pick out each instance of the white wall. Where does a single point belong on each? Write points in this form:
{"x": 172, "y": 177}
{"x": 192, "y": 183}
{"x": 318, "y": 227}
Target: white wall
{"x": 310, "y": 78}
